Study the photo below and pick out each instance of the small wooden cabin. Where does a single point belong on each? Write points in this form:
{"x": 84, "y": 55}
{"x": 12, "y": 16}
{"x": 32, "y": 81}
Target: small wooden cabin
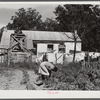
{"x": 39, "y": 42}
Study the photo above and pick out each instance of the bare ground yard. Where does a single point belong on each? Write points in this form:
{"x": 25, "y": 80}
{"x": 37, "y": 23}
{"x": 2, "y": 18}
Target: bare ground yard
{"x": 12, "y": 78}
{"x": 73, "y": 76}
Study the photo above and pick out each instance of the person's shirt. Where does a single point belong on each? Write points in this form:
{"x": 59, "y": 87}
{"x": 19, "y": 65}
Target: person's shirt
{"x": 48, "y": 65}
{"x": 39, "y": 60}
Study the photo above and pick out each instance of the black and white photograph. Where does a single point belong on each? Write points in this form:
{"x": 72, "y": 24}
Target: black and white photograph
{"x": 53, "y": 46}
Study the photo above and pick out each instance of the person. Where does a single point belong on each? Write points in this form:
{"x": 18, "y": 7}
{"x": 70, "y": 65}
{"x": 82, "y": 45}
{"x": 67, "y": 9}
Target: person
{"x": 86, "y": 56}
{"x": 45, "y": 57}
{"x": 45, "y": 69}
{"x": 42, "y": 58}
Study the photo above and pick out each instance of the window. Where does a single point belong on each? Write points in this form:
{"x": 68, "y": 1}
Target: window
{"x": 62, "y": 48}
{"x": 50, "y": 47}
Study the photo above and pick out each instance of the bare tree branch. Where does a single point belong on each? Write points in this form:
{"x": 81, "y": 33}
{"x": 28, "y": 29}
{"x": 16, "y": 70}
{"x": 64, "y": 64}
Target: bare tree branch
{"x": 68, "y": 36}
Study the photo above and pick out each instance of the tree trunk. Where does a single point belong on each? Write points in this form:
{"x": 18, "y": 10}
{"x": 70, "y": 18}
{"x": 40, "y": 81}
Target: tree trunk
{"x": 74, "y": 51}
{"x": 56, "y": 58}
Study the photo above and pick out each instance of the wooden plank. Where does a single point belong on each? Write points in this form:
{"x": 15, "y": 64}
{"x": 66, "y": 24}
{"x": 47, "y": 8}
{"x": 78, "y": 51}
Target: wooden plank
{"x": 20, "y": 42}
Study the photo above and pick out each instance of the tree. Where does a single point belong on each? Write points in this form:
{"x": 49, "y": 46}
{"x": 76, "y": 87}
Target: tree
{"x": 9, "y": 26}
{"x": 1, "y": 31}
{"x": 50, "y": 25}
{"x": 28, "y": 19}
{"x": 83, "y": 18}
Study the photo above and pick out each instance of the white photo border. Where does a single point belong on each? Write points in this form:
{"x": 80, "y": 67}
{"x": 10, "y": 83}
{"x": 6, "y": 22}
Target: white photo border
{"x": 32, "y": 94}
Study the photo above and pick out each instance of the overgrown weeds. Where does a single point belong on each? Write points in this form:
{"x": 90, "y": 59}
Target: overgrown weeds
{"x": 20, "y": 65}
{"x": 74, "y": 77}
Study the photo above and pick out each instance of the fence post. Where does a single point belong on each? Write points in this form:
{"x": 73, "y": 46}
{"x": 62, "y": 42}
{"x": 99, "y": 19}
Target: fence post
{"x": 31, "y": 57}
{"x": 63, "y": 59}
{"x": 88, "y": 60}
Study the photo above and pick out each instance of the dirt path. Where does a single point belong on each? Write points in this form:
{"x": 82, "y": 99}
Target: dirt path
{"x": 11, "y": 80}
{"x": 32, "y": 78}
{"x": 15, "y": 82}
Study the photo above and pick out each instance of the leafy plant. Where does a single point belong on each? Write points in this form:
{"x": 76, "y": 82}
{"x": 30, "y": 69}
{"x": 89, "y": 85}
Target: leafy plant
{"x": 74, "y": 77}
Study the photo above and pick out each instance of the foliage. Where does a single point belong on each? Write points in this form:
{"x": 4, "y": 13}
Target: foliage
{"x": 75, "y": 77}
{"x": 50, "y": 25}
{"x": 28, "y": 19}
{"x": 83, "y": 18}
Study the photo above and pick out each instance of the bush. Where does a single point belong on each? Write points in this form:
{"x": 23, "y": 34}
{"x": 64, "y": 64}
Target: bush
{"x": 74, "y": 77}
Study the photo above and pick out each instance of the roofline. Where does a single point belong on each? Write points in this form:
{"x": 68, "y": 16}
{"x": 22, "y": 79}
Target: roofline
{"x": 57, "y": 41}
{"x": 44, "y": 31}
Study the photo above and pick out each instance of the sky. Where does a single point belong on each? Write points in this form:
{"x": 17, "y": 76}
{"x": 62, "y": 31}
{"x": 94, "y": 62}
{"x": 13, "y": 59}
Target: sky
{"x": 46, "y": 9}
{"x": 8, "y": 9}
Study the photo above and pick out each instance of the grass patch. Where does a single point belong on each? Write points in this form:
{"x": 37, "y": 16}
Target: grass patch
{"x": 20, "y": 65}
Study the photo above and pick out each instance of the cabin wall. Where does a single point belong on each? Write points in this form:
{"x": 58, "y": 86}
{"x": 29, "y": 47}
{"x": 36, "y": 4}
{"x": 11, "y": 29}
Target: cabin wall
{"x": 70, "y": 46}
{"x": 78, "y": 47}
{"x": 52, "y": 57}
{"x": 56, "y": 48}
{"x": 43, "y": 47}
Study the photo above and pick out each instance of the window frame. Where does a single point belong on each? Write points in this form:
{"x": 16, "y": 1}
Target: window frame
{"x": 48, "y": 48}
{"x": 63, "y": 46}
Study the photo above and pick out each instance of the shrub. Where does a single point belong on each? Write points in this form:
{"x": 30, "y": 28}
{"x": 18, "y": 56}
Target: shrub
{"x": 74, "y": 77}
